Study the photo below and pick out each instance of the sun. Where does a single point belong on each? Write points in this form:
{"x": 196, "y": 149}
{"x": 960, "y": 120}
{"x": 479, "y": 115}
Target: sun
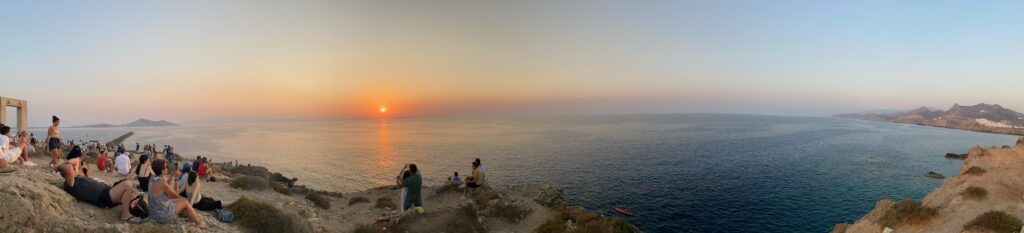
{"x": 383, "y": 109}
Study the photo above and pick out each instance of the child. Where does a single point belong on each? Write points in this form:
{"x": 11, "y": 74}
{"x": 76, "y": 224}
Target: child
{"x": 456, "y": 179}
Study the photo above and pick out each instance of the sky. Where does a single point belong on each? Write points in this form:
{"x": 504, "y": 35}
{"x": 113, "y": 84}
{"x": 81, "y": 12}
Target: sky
{"x": 189, "y": 61}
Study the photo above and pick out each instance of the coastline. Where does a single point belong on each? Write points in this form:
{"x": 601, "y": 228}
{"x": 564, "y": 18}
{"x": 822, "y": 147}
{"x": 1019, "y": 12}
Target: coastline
{"x": 493, "y": 209}
{"x": 989, "y": 181}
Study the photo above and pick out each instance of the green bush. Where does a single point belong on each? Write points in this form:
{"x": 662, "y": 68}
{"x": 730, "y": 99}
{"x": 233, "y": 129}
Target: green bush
{"x": 974, "y": 171}
{"x": 319, "y": 200}
{"x": 386, "y": 202}
{"x": 249, "y": 183}
{"x": 262, "y": 217}
{"x": 907, "y": 212}
{"x": 280, "y": 188}
{"x": 974, "y": 192}
{"x": 356, "y": 200}
{"x": 994, "y": 221}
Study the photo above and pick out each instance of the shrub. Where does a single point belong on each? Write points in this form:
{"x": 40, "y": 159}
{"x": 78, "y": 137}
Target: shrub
{"x": 995, "y": 221}
{"x": 907, "y": 212}
{"x": 386, "y": 202}
{"x": 584, "y": 221}
{"x": 319, "y": 200}
{"x": 483, "y": 200}
{"x": 356, "y": 200}
{"x": 367, "y": 228}
{"x": 974, "y": 192}
{"x": 974, "y": 171}
{"x": 261, "y": 217}
{"x": 280, "y": 188}
{"x": 249, "y": 183}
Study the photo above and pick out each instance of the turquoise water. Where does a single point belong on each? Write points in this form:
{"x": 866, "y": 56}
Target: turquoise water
{"x": 676, "y": 172}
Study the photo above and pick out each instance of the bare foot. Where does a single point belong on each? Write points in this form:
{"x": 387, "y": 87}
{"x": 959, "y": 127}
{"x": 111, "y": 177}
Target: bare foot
{"x": 201, "y": 226}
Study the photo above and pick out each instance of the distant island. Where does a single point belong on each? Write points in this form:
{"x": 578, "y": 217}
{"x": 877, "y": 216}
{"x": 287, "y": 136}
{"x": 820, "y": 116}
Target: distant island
{"x": 980, "y": 117}
{"x": 137, "y": 123}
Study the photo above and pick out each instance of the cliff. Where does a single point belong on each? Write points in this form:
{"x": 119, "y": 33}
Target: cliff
{"x": 32, "y": 201}
{"x": 985, "y": 196}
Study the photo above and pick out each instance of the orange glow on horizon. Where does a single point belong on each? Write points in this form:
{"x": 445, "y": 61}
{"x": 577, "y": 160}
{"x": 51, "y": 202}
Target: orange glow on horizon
{"x": 383, "y": 109}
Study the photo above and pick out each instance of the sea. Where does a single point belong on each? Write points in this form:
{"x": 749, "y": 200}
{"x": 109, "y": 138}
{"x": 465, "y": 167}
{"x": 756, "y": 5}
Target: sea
{"x": 675, "y": 172}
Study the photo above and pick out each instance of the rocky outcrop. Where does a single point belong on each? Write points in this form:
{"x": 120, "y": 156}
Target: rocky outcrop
{"x": 935, "y": 175}
{"x": 956, "y": 156}
{"x": 1003, "y": 172}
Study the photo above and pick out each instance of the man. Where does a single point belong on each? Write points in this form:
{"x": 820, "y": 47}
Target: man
{"x": 103, "y": 162}
{"x": 476, "y": 180}
{"x": 414, "y": 185}
{"x": 8, "y": 154}
{"x": 97, "y": 193}
{"x": 123, "y": 163}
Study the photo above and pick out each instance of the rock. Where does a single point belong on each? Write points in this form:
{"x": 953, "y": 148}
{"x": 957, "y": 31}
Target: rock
{"x": 549, "y": 196}
{"x": 976, "y": 150}
{"x": 1006, "y": 146}
{"x": 956, "y": 156}
{"x": 935, "y": 175}
{"x": 1020, "y": 142}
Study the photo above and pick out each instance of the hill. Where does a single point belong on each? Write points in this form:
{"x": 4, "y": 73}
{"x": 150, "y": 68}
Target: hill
{"x": 137, "y": 123}
{"x": 981, "y": 117}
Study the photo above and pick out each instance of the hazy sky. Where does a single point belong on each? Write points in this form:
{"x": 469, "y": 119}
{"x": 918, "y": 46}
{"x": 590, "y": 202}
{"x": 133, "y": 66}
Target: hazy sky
{"x": 115, "y": 61}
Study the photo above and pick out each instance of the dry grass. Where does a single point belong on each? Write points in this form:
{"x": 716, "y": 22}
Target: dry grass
{"x": 584, "y": 222}
{"x": 907, "y": 212}
{"x": 249, "y": 183}
{"x": 974, "y": 192}
{"x": 319, "y": 200}
{"x": 974, "y": 171}
{"x": 262, "y": 217}
{"x": 385, "y": 202}
{"x": 995, "y": 221}
{"x": 357, "y": 200}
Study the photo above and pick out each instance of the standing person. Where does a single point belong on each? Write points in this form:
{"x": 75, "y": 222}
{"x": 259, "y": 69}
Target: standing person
{"x": 123, "y": 163}
{"x": 414, "y": 185}
{"x": 164, "y": 201}
{"x": 53, "y": 140}
{"x": 400, "y": 183}
{"x": 136, "y": 146}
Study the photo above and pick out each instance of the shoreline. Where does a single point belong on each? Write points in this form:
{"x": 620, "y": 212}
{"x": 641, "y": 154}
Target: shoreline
{"x": 493, "y": 209}
{"x": 990, "y": 183}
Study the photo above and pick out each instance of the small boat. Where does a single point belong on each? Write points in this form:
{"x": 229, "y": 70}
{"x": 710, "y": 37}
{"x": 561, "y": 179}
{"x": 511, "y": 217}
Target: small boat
{"x": 623, "y": 211}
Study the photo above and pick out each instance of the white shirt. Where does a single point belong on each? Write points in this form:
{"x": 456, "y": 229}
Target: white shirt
{"x": 123, "y": 164}
{"x": 6, "y": 146}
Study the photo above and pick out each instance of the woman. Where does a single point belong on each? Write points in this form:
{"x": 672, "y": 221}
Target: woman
{"x": 474, "y": 181}
{"x": 23, "y": 142}
{"x": 400, "y": 182}
{"x": 53, "y": 137}
{"x": 143, "y": 172}
{"x": 195, "y": 196}
{"x": 164, "y": 202}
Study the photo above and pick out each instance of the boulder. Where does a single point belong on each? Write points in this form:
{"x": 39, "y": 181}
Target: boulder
{"x": 935, "y": 175}
{"x": 956, "y": 156}
{"x": 1020, "y": 142}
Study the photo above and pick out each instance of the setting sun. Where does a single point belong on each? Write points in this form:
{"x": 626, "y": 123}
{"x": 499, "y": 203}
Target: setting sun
{"x": 383, "y": 109}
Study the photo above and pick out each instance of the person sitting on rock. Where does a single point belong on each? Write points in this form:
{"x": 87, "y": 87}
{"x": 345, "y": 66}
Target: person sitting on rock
{"x": 195, "y": 196}
{"x": 164, "y": 202}
{"x": 455, "y": 179}
{"x": 97, "y": 193}
{"x": 8, "y": 154}
{"x": 474, "y": 181}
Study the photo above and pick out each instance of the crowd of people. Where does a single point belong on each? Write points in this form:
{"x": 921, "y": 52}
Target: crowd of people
{"x": 154, "y": 190}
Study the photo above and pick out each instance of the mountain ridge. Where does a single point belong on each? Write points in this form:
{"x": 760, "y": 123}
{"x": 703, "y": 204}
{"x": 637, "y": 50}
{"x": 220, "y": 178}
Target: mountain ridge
{"x": 141, "y": 122}
{"x": 991, "y": 118}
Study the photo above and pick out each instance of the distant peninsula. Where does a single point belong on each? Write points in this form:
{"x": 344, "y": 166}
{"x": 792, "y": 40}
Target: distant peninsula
{"x": 137, "y": 123}
{"x": 981, "y": 117}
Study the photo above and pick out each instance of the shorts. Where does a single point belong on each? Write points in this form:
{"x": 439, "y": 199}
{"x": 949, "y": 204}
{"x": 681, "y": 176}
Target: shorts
{"x": 144, "y": 183}
{"x": 105, "y": 201}
{"x": 472, "y": 185}
{"x": 54, "y": 143}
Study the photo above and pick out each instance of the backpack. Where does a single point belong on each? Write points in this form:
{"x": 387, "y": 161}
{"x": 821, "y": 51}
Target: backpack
{"x": 138, "y": 207}
{"x": 224, "y": 215}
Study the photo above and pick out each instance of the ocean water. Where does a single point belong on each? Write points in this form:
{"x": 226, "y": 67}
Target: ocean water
{"x": 676, "y": 172}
